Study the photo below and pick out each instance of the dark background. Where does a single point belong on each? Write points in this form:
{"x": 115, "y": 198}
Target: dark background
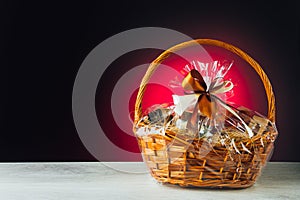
{"x": 44, "y": 43}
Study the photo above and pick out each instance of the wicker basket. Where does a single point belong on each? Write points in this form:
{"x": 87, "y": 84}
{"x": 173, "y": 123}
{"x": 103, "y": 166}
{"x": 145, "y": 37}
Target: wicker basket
{"x": 176, "y": 160}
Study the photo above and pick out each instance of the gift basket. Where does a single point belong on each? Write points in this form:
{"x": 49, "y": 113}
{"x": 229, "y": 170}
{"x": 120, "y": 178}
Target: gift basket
{"x": 201, "y": 140}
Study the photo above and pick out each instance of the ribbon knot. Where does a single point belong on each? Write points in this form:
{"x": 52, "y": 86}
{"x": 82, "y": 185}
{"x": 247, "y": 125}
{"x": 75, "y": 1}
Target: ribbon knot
{"x": 194, "y": 83}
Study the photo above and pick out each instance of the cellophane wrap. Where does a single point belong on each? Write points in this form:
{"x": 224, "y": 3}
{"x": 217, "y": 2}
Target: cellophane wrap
{"x": 203, "y": 139}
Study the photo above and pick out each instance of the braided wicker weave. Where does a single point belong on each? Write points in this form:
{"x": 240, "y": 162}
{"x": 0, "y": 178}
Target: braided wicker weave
{"x": 177, "y": 159}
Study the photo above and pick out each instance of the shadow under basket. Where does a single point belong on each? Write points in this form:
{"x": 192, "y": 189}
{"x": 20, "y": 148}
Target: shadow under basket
{"x": 194, "y": 162}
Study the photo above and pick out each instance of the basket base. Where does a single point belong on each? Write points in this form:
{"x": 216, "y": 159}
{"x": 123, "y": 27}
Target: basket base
{"x": 185, "y": 166}
{"x": 210, "y": 184}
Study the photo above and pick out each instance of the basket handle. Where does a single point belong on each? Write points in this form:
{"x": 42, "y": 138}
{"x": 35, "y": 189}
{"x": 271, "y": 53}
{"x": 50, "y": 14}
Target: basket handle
{"x": 152, "y": 67}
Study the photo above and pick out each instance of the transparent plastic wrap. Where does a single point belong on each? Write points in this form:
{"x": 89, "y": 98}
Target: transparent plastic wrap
{"x": 202, "y": 140}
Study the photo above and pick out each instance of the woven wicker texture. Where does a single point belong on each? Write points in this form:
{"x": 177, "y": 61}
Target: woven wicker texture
{"x": 179, "y": 160}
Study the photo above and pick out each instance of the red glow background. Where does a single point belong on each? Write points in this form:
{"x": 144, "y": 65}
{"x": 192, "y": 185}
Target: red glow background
{"x": 248, "y": 91}
{"x": 243, "y": 82}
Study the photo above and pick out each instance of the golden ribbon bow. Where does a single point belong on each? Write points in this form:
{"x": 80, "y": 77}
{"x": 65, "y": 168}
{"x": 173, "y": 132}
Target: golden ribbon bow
{"x": 206, "y": 104}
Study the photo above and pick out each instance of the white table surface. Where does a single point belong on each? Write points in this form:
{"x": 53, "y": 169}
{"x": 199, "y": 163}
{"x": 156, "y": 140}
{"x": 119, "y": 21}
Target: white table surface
{"x": 95, "y": 180}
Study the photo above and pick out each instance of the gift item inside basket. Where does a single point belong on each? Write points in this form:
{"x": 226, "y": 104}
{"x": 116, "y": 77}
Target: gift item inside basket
{"x": 201, "y": 139}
